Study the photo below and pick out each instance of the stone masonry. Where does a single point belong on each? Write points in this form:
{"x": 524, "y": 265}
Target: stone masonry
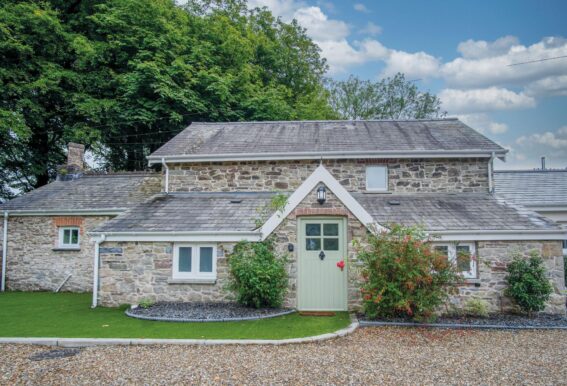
{"x": 34, "y": 262}
{"x": 493, "y": 258}
{"x": 135, "y": 271}
{"x": 405, "y": 175}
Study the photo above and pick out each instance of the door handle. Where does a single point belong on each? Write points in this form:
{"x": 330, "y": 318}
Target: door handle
{"x": 322, "y": 255}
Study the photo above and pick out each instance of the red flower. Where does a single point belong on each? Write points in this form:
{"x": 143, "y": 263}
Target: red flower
{"x": 341, "y": 264}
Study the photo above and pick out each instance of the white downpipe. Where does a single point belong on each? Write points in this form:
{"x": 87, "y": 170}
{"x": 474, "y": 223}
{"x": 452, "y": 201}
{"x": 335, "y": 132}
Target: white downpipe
{"x": 4, "y": 251}
{"x": 166, "y": 174}
{"x": 490, "y": 172}
{"x": 95, "y": 269}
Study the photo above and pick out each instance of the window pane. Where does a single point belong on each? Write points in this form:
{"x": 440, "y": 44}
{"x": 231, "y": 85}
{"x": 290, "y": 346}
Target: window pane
{"x": 206, "y": 259}
{"x": 331, "y": 244}
{"x": 442, "y": 249}
{"x": 312, "y": 244}
{"x": 74, "y": 236}
{"x": 331, "y": 229}
{"x": 66, "y": 236}
{"x": 463, "y": 258}
{"x": 376, "y": 177}
{"x": 185, "y": 259}
{"x": 313, "y": 229}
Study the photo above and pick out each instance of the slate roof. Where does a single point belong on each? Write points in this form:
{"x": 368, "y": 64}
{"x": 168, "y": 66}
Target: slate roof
{"x": 532, "y": 187}
{"x": 442, "y": 212}
{"x": 194, "y": 211}
{"x": 325, "y": 136}
{"x": 90, "y": 192}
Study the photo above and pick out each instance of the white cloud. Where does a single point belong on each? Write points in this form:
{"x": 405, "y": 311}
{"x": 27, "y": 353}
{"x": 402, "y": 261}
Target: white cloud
{"x": 557, "y": 140}
{"x": 283, "y": 8}
{"x": 413, "y": 65}
{"x": 551, "y": 144}
{"x": 483, "y": 123}
{"x": 550, "y": 86}
{"x": 477, "y": 49}
{"x": 361, "y": 8}
{"x": 457, "y": 101}
{"x": 341, "y": 54}
{"x": 319, "y": 26}
{"x": 488, "y": 64}
{"x": 371, "y": 29}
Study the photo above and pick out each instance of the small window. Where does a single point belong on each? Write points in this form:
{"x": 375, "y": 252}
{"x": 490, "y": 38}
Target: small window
{"x": 462, "y": 255}
{"x": 69, "y": 237}
{"x": 194, "y": 262}
{"x": 377, "y": 178}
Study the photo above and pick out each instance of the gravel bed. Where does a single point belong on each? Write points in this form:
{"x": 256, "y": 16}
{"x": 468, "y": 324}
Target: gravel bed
{"x": 387, "y": 355}
{"x": 204, "y": 312}
{"x": 492, "y": 321}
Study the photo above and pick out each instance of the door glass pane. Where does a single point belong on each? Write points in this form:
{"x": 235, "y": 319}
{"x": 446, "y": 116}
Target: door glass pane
{"x": 313, "y": 229}
{"x": 185, "y": 259}
{"x": 463, "y": 258}
{"x": 206, "y": 259}
{"x": 75, "y": 236}
{"x": 66, "y": 236}
{"x": 331, "y": 229}
{"x": 312, "y": 244}
{"x": 331, "y": 244}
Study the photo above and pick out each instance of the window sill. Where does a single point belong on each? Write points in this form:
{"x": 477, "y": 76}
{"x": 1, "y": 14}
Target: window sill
{"x": 472, "y": 281}
{"x": 376, "y": 192}
{"x": 66, "y": 249}
{"x": 191, "y": 281}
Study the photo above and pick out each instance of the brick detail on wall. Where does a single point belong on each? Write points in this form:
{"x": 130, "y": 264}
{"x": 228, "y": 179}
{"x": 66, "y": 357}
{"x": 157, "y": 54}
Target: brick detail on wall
{"x": 67, "y": 221}
{"x": 320, "y": 212}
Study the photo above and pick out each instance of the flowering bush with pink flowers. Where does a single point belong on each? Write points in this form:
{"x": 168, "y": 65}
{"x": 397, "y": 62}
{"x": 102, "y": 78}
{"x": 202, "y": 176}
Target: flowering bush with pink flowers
{"x": 403, "y": 276}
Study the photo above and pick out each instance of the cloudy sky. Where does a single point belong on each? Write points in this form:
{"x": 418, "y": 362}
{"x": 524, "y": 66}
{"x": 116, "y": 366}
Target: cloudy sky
{"x": 468, "y": 52}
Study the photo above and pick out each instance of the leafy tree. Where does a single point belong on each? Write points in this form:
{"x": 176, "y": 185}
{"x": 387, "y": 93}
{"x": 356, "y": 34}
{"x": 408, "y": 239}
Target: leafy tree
{"x": 124, "y": 76}
{"x": 39, "y": 87}
{"x": 389, "y": 98}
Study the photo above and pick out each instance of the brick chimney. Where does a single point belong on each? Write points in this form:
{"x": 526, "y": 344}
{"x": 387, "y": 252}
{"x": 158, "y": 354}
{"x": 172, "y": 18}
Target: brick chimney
{"x": 75, "y": 163}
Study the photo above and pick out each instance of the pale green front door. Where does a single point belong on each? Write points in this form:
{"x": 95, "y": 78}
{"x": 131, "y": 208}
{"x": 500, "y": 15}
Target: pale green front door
{"x": 322, "y": 286}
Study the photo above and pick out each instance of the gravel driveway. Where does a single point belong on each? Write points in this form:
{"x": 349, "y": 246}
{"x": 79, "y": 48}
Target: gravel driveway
{"x": 369, "y": 356}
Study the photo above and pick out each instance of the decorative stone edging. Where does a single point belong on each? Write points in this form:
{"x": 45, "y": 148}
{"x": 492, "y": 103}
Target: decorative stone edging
{"x": 237, "y": 319}
{"x": 87, "y": 342}
{"x": 366, "y": 323}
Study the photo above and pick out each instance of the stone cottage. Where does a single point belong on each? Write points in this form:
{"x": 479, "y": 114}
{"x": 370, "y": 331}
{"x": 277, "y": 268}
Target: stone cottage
{"x": 166, "y": 237}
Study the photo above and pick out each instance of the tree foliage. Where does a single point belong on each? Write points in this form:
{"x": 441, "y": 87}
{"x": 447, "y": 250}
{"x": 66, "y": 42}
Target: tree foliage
{"x": 528, "y": 284}
{"x": 389, "y": 98}
{"x": 403, "y": 276}
{"x": 124, "y": 76}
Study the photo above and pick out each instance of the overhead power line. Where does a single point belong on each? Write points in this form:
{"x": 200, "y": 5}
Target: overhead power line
{"x": 537, "y": 60}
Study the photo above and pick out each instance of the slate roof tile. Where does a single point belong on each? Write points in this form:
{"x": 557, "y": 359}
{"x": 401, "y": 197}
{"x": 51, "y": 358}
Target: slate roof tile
{"x": 532, "y": 187}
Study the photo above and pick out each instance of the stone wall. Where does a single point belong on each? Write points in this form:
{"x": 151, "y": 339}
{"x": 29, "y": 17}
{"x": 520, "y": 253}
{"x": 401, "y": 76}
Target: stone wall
{"x": 405, "y": 175}
{"x": 34, "y": 262}
{"x": 493, "y": 258}
{"x": 133, "y": 271}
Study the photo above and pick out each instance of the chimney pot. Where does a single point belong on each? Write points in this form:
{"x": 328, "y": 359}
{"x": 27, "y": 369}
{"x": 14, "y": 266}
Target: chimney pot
{"x": 543, "y": 163}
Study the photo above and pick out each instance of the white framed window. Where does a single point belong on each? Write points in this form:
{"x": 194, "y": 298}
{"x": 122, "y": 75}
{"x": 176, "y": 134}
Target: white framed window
{"x": 377, "y": 178}
{"x": 463, "y": 255}
{"x": 69, "y": 237}
{"x": 194, "y": 261}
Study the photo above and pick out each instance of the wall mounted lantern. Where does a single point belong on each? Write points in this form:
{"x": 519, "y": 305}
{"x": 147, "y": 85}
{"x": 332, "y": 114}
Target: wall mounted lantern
{"x": 321, "y": 195}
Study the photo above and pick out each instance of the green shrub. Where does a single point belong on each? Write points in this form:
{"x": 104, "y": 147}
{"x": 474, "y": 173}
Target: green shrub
{"x": 257, "y": 275}
{"x": 528, "y": 285}
{"x": 146, "y": 303}
{"x": 403, "y": 276}
{"x": 476, "y": 307}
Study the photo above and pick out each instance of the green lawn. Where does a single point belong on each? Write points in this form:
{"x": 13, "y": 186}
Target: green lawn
{"x": 66, "y": 315}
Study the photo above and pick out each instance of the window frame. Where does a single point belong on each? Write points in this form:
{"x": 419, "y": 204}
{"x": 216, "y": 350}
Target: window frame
{"x": 61, "y": 237}
{"x": 195, "y": 262}
{"x": 452, "y": 252}
{"x": 386, "y": 178}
